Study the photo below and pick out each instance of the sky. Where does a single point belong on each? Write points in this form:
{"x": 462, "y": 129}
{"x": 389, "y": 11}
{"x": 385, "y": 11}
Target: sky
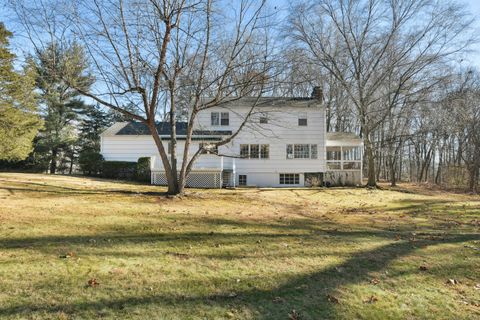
{"x": 472, "y": 6}
{"x": 475, "y": 10}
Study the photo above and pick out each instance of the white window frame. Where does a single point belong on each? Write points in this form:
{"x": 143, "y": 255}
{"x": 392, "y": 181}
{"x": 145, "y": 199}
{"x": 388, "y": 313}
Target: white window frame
{"x": 301, "y": 117}
{"x": 215, "y": 116}
{"x": 224, "y": 116}
{"x": 248, "y": 148}
{"x": 342, "y": 163}
{"x": 293, "y": 151}
{"x": 295, "y": 177}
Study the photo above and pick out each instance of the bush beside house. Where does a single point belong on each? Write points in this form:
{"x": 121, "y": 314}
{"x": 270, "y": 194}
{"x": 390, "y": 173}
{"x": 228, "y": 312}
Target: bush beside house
{"x": 92, "y": 163}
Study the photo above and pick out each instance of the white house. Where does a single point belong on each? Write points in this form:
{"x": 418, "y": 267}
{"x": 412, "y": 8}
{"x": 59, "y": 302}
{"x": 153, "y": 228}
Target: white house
{"x": 283, "y": 144}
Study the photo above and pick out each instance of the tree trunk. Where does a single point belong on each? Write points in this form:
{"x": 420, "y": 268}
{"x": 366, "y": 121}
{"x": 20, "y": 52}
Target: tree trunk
{"x": 473, "y": 181}
{"x": 71, "y": 165}
{"x": 173, "y": 188}
{"x": 53, "y": 162}
{"x": 173, "y": 143}
{"x": 393, "y": 173}
{"x": 370, "y": 162}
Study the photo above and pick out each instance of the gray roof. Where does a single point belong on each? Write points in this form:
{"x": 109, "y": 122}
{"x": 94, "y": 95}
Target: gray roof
{"x": 271, "y": 102}
{"x": 164, "y": 128}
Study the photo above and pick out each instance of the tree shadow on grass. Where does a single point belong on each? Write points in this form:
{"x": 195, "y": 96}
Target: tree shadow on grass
{"x": 307, "y": 293}
{"x": 32, "y": 187}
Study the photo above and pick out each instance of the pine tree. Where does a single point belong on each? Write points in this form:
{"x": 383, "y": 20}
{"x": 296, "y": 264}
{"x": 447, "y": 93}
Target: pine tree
{"x": 94, "y": 122}
{"x": 19, "y": 121}
{"x": 58, "y": 68}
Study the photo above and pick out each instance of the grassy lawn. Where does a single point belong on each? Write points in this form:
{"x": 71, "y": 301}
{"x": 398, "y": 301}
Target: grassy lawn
{"x": 76, "y": 248}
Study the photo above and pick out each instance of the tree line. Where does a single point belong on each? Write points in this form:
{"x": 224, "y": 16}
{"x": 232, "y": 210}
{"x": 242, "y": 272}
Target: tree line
{"x": 391, "y": 71}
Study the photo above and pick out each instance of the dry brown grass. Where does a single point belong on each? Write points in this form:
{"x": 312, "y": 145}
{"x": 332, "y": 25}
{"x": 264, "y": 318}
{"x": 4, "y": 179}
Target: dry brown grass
{"x": 73, "y": 247}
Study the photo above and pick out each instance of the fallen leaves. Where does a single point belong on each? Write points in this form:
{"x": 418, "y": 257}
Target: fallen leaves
{"x": 423, "y": 268}
{"x": 452, "y": 282}
{"x": 375, "y": 281}
{"x": 67, "y": 255}
{"x": 93, "y": 283}
{"x": 278, "y": 300}
{"x": 371, "y": 299}
{"x": 333, "y": 299}
{"x": 294, "y": 315}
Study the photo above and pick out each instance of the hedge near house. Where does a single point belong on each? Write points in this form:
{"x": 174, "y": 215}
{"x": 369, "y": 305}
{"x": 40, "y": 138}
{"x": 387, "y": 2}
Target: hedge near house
{"x": 143, "y": 169}
{"x": 91, "y": 162}
{"x": 119, "y": 170}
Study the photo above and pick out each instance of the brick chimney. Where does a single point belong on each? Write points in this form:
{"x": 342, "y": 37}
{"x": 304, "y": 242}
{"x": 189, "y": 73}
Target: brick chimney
{"x": 317, "y": 93}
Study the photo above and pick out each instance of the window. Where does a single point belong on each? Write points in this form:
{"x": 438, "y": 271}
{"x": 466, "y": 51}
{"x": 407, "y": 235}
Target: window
{"x": 333, "y": 153}
{"x": 225, "y": 119}
{"x": 302, "y": 151}
{"x": 244, "y": 151}
{"x": 289, "y": 151}
{"x": 351, "y": 153}
{"x": 313, "y": 151}
{"x": 208, "y": 148}
{"x": 263, "y": 118}
{"x": 264, "y": 151}
{"x": 302, "y": 119}
{"x": 242, "y": 179}
{"x": 214, "y": 118}
{"x": 255, "y": 151}
{"x": 289, "y": 178}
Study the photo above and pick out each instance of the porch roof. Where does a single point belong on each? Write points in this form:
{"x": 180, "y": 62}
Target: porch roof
{"x": 343, "y": 139}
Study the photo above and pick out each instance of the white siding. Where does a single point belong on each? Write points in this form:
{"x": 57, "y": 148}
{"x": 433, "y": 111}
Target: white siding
{"x": 282, "y": 129}
{"x": 130, "y": 148}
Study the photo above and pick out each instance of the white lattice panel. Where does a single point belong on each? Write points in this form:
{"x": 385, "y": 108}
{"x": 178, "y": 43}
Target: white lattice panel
{"x": 196, "y": 179}
{"x": 159, "y": 178}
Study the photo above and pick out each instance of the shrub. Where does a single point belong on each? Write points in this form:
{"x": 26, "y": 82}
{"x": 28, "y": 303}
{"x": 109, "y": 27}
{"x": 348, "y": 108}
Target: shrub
{"x": 91, "y": 162}
{"x": 119, "y": 170}
{"x": 143, "y": 169}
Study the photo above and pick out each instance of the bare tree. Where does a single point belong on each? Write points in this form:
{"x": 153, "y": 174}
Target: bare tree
{"x": 466, "y": 115}
{"x": 362, "y": 43}
{"x": 161, "y": 56}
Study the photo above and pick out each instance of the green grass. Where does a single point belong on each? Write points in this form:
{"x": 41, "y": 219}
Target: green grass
{"x": 234, "y": 254}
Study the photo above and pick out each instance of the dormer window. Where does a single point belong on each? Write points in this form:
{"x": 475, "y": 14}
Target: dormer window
{"x": 302, "y": 120}
{"x": 219, "y": 119}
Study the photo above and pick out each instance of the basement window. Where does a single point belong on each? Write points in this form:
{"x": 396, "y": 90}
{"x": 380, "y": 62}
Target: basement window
{"x": 289, "y": 178}
{"x": 242, "y": 179}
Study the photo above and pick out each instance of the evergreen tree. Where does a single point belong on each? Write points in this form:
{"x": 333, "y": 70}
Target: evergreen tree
{"x": 19, "y": 121}
{"x": 58, "y": 68}
{"x": 94, "y": 122}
